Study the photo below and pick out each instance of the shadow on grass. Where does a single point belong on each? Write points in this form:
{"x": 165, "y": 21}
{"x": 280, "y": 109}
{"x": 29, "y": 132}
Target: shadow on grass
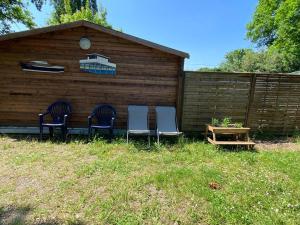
{"x": 231, "y": 149}
{"x": 166, "y": 143}
{"x": 140, "y": 143}
{"x": 46, "y": 138}
{"x": 17, "y": 215}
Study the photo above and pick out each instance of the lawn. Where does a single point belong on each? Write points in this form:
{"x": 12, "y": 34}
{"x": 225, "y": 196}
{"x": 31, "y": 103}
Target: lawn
{"x": 186, "y": 183}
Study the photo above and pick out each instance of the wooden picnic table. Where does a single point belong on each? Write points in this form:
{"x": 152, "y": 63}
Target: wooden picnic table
{"x": 238, "y": 132}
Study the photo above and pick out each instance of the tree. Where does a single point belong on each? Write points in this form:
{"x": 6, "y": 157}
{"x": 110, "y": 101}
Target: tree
{"x": 71, "y": 13}
{"x": 59, "y": 8}
{"x": 234, "y": 60}
{"x": 276, "y": 25}
{"x": 209, "y": 69}
{"x": 15, "y": 11}
{"x": 247, "y": 60}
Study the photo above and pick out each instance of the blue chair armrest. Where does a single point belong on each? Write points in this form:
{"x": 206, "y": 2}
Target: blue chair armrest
{"x": 41, "y": 116}
{"x": 65, "y": 119}
{"x": 90, "y": 119}
{"x": 112, "y": 121}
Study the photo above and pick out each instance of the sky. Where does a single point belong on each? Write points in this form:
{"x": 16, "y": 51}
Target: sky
{"x": 206, "y": 29}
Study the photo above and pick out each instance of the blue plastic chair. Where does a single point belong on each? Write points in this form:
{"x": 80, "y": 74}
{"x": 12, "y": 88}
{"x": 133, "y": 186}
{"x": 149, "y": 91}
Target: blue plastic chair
{"x": 104, "y": 117}
{"x": 60, "y": 112}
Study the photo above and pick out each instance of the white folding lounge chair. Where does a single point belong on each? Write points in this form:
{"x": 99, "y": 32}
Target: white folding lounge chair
{"x": 138, "y": 121}
{"x": 166, "y": 121}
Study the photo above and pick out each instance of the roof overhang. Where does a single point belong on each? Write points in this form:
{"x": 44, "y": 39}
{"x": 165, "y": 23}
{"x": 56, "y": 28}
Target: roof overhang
{"x": 95, "y": 27}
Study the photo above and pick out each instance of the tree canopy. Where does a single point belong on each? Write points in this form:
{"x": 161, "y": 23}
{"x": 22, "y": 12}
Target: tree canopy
{"x": 65, "y": 11}
{"x": 275, "y": 29}
{"x": 15, "y": 11}
{"x": 75, "y": 5}
{"x": 248, "y": 60}
{"x": 276, "y": 25}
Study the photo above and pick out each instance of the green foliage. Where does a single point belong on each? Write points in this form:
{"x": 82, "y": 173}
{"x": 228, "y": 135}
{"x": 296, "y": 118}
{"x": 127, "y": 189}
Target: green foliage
{"x": 215, "y": 122}
{"x": 238, "y": 125}
{"x": 59, "y": 8}
{"x": 247, "y": 60}
{"x": 85, "y": 12}
{"x": 116, "y": 183}
{"x": 226, "y": 122}
{"x": 234, "y": 60}
{"x": 276, "y": 25}
{"x": 15, "y": 11}
{"x": 208, "y": 69}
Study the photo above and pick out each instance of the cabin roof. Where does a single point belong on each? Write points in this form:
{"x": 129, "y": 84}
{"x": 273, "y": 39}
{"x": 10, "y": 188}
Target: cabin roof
{"x": 95, "y": 27}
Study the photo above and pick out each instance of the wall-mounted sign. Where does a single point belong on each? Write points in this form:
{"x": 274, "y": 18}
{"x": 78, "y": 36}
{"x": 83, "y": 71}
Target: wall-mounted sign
{"x": 85, "y": 43}
{"x": 41, "y": 66}
{"x": 98, "y": 64}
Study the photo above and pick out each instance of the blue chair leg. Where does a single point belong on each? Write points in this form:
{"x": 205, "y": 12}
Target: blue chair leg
{"x": 89, "y": 133}
{"x": 51, "y": 132}
{"x": 111, "y": 134}
{"x": 41, "y": 133}
{"x": 64, "y": 133}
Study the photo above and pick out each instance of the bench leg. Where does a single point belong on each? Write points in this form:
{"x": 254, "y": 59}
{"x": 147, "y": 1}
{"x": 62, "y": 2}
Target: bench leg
{"x": 214, "y": 136}
{"x": 248, "y": 140}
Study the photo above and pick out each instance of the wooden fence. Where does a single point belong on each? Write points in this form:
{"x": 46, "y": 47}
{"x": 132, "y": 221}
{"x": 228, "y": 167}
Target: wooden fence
{"x": 264, "y": 102}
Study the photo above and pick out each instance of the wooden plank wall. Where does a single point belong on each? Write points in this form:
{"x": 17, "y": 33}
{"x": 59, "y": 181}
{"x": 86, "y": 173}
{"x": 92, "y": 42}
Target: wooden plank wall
{"x": 144, "y": 76}
{"x": 276, "y": 102}
{"x": 264, "y": 102}
{"x": 213, "y": 95}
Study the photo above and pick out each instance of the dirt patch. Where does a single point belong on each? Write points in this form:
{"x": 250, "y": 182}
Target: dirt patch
{"x": 171, "y": 210}
{"x": 277, "y": 145}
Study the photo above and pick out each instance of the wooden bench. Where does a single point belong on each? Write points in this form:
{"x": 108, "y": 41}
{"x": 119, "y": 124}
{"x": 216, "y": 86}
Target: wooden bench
{"x": 229, "y": 131}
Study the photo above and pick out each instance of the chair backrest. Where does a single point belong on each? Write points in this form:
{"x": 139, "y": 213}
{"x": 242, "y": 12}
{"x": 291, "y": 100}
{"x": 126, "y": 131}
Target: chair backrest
{"x": 58, "y": 110}
{"x": 166, "y": 119}
{"x": 138, "y": 117}
{"x": 104, "y": 114}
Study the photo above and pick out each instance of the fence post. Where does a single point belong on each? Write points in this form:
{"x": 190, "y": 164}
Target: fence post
{"x": 250, "y": 99}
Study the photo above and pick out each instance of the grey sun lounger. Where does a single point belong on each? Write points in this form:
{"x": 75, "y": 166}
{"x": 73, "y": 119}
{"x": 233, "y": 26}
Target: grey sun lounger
{"x": 138, "y": 121}
{"x": 166, "y": 121}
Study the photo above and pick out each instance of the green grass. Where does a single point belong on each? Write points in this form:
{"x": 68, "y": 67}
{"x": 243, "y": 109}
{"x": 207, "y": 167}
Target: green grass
{"x": 101, "y": 183}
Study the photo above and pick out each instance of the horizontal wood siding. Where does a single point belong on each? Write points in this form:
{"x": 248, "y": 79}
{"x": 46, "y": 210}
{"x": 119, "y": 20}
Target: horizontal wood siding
{"x": 264, "y": 102}
{"x": 144, "y": 76}
{"x": 213, "y": 95}
{"x": 276, "y": 103}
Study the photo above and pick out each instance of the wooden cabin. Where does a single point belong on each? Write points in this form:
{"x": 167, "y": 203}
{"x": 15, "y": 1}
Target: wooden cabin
{"x": 145, "y": 73}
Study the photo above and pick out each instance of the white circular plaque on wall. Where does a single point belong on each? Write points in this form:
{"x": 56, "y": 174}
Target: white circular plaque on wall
{"x": 85, "y": 43}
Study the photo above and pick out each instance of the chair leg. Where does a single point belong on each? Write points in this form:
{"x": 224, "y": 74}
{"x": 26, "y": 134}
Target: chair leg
{"x": 89, "y": 133}
{"x": 64, "y": 133}
{"x": 127, "y": 136}
{"x": 51, "y": 132}
{"x": 41, "y": 133}
{"x": 157, "y": 138}
{"x": 111, "y": 134}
